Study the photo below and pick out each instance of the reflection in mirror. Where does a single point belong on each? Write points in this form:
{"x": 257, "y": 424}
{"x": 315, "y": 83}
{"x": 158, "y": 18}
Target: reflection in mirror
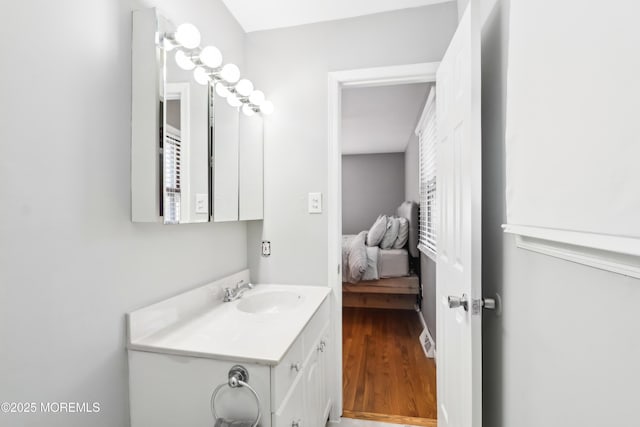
{"x": 185, "y": 142}
{"x": 176, "y": 99}
{"x": 176, "y": 88}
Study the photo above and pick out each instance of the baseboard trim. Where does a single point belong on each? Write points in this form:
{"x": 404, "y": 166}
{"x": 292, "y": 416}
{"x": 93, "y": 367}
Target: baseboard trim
{"x": 393, "y": 419}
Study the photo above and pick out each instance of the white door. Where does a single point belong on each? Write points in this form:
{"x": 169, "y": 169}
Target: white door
{"x": 459, "y": 346}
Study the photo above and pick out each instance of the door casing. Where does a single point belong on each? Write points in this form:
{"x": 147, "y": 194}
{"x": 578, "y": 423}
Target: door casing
{"x": 364, "y": 77}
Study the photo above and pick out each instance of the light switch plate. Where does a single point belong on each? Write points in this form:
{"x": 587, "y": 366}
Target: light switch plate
{"x": 315, "y": 203}
{"x": 202, "y": 200}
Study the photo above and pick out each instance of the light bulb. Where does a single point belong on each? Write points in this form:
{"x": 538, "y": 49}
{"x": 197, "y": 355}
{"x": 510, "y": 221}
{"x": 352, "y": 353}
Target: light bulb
{"x": 247, "y": 110}
{"x": 256, "y": 97}
{"x": 184, "y": 61}
{"x": 211, "y": 57}
{"x": 244, "y": 87}
{"x": 233, "y": 100}
{"x": 201, "y": 76}
{"x": 230, "y": 73}
{"x": 222, "y": 90}
{"x": 266, "y": 107}
{"x": 188, "y": 35}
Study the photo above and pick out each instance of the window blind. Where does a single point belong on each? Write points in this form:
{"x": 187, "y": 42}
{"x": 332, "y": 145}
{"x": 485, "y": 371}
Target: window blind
{"x": 172, "y": 171}
{"x": 427, "y": 157}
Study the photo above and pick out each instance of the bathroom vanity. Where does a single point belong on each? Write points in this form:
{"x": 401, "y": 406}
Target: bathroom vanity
{"x": 182, "y": 349}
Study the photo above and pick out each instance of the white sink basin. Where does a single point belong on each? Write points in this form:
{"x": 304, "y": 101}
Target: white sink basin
{"x": 272, "y": 302}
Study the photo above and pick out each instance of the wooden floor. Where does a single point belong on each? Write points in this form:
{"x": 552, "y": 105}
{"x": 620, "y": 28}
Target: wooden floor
{"x": 386, "y": 376}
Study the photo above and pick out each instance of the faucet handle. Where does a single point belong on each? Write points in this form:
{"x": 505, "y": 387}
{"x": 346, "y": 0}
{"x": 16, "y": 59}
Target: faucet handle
{"x": 240, "y": 282}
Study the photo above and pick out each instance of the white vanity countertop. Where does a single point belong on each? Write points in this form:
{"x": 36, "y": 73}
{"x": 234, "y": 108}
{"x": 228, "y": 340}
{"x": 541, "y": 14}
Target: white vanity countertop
{"x": 220, "y": 330}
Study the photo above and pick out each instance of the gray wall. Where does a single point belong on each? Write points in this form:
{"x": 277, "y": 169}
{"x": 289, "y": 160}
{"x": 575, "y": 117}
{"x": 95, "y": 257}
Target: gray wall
{"x": 71, "y": 262}
{"x": 562, "y": 354}
{"x": 291, "y": 66}
{"x": 372, "y": 184}
{"x": 428, "y": 282}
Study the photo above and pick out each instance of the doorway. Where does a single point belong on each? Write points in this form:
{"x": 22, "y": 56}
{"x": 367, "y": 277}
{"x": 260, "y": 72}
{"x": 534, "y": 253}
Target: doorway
{"x": 381, "y": 371}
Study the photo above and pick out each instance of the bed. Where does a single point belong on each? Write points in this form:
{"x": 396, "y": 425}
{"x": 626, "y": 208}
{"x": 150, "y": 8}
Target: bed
{"x": 391, "y": 279}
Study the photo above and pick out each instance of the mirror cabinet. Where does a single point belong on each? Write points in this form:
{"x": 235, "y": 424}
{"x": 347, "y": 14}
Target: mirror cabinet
{"x": 194, "y": 158}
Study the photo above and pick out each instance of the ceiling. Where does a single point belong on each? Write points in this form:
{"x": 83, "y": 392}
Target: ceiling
{"x": 381, "y": 119}
{"x": 268, "y": 14}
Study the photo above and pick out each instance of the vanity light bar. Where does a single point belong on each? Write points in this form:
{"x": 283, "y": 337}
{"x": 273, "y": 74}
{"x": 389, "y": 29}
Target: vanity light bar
{"x": 207, "y": 67}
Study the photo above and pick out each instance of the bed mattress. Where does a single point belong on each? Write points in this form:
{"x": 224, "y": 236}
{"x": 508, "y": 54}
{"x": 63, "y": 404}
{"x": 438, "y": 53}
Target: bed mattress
{"x": 393, "y": 263}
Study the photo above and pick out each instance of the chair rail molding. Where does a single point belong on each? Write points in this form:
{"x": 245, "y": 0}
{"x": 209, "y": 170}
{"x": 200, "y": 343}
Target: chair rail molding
{"x": 617, "y": 254}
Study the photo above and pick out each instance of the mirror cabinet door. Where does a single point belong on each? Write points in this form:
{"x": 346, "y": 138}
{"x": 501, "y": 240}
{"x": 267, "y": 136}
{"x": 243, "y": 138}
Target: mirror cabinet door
{"x": 185, "y": 143}
{"x": 225, "y": 162}
{"x": 146, "y": 117}
{"x": 251, "y": 197}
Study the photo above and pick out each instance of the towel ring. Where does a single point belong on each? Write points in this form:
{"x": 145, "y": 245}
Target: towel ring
{"x": 238, "y": 377}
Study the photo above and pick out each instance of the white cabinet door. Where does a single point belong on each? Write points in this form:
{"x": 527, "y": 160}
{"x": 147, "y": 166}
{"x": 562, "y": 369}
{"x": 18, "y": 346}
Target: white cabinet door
{"x": 325, "y": 396}
{"x": 459, "y": 177}
{"x": 292, "y": 411}
{"x": 313, "y": 390}
{"x": 317, "y": 399}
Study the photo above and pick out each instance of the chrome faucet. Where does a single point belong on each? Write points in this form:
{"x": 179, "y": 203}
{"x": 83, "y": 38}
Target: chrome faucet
{"x": 235, "y": 293}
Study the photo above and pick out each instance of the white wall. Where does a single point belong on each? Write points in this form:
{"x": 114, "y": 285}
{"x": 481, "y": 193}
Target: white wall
{"x": 583, "y": 162}
{"x": 380, "y": 119}
{"x": 563, "y": 352}
{"x": 71, "y": 262}
{"x": 292, "y": 66}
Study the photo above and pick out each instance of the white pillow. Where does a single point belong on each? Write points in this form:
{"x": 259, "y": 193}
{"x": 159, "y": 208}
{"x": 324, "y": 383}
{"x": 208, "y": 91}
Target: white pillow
{"x": 391, "y": 235}
{"x": 403, "y": 234}
{"x": 377, "y": 231}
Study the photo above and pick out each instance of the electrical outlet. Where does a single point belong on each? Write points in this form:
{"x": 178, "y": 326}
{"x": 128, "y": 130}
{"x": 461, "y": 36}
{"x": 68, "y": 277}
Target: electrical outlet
{"x": 266, "y": 248}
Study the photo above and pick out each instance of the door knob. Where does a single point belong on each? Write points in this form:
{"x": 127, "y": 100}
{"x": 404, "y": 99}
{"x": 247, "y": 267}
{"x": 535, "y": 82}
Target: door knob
{"x": 455, "y": 302}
